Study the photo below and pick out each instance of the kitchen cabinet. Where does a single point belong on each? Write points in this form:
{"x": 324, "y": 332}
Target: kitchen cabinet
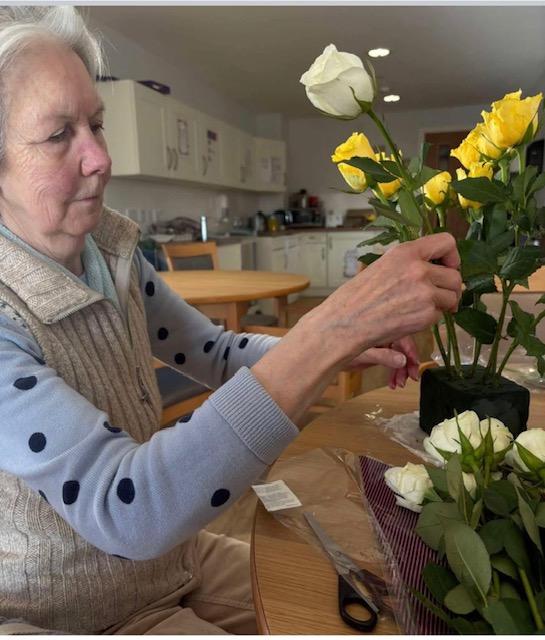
{"x": 313, "y": 263}
{"x": 151, "y": 135}
{"x": 279, "y": 254}
{"x": 270, "y": 164}
{"x": 340, "y": 267}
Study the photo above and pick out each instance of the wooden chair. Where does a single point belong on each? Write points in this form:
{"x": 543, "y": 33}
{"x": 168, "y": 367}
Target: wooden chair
{"x": 180, "y": 394}
{"x": 347, "y": 384}
{"x": 191, "y": 255}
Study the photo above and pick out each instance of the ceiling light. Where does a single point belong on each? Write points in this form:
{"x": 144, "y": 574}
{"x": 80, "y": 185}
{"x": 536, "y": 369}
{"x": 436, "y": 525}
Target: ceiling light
{"x": 379, "y": 53}
{"x": 392, "y": 97}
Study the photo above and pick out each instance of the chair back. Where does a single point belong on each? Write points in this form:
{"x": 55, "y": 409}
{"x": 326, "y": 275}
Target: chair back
{"x": 184, "y": 256}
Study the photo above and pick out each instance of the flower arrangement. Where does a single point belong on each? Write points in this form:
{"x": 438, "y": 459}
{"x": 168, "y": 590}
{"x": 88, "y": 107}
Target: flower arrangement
{"x": 483, "y": 511}
{"x": 411, "y": 200}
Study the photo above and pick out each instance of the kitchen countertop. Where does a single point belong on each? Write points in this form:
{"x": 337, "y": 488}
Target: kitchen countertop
{"x": 299, "y": 230}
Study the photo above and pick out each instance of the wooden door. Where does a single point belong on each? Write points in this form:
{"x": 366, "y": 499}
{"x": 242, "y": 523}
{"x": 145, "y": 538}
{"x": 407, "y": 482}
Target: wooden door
{"x": 439, "y": 158}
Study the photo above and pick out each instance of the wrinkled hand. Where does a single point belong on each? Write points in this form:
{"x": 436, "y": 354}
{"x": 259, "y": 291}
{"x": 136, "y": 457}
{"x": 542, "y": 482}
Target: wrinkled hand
{"x": 401, "y": 357}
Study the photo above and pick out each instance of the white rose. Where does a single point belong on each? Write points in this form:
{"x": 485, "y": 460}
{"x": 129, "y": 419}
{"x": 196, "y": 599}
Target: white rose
{"x": 445, "y": 435}
{"x": 501, "y": 435}
{"x": 409, "y": 483}
{"x": 333, "y": 80}
{"x": 470, "y": 483}
{"x": 534, "y": 441}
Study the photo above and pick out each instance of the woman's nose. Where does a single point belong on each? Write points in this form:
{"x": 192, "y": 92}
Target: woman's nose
{"x": 95, "y": 157}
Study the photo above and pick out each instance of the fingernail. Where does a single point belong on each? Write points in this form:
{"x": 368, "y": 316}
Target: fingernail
{"x": 400, "y": 360}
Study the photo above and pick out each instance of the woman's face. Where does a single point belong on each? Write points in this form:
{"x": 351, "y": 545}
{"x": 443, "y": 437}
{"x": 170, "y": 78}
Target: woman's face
{"x": 56, "y": 163}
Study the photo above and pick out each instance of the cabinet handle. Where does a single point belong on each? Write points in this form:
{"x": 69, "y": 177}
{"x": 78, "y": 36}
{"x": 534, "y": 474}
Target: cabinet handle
{"x": 323, "y": 253}
{"x": 175, "y": 156}
{"x": 204, "y": 165}
{"x": 330, "y": 243}
{"x": 169, "y": 158}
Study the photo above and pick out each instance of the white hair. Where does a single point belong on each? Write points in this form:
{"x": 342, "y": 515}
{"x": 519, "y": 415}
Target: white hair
{"x": 23, "y": 26}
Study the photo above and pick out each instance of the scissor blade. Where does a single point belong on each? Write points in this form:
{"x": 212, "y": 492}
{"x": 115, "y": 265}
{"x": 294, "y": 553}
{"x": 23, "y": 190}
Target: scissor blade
{"x": 343, "y": 563}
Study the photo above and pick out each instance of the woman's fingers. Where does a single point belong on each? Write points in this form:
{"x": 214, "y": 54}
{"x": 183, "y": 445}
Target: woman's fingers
{"x": 445, "y": 278}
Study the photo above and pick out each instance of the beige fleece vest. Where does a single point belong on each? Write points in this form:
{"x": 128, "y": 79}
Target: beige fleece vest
{"x": 49, "y": 575}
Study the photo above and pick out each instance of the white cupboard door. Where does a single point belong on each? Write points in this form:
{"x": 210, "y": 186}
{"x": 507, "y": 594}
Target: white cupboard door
{"x": 278, "y": 260}
{"x": 270, "y": 164}
{"x": 230, "y": 160}
{"x": 182, "y": 141}
{"x": 314, "y": 263}
{"x": 209, "y": 144}
{"x": 246, "y": 158}
{"x": 338, "y": 263}
{"x": 151, "y": 125}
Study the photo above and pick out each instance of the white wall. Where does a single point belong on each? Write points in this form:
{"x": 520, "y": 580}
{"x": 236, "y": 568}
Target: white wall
{"x": 127, "y": 59}
{"x": 311, "y": 141}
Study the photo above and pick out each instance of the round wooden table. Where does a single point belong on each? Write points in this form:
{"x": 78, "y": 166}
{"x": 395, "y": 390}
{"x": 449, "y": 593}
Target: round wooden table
{"x": 227, "y": 294}
{"x": 295, "y": 586}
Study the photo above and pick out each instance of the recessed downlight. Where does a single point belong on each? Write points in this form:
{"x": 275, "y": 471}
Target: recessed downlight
{"x": 392, "y": 97}
{"x": 378, "y": 53}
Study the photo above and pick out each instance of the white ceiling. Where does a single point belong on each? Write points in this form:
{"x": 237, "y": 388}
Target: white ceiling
{"x": 441, "y": 56}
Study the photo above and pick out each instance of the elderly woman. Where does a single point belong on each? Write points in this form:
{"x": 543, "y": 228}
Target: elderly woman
{"x": 100, "y": 512}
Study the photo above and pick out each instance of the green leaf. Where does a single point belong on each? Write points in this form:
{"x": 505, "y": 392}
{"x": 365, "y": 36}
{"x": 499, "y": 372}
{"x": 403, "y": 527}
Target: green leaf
{"x": 500, "y": 497}
{"x": 502, "y": 242}
{"x": 392, "y": 168}
{"x": 529, "y": 521}
{"x": 536, "y": 185}
{"x": 476, "y": 514}
{"x": 369, "y": 258}
{"x": 540, "y": 515}
{"x": 481, "y": 190}
{"x": 515, "y": 546}
{"x": 482, "y": 283}
{"x": 520, "y": 262}
{"x": 454, "y": 476}
{"x": 468, "y": 558}
{"x": 477, "y": 258}
{"x": 439, "y": 478}
{"x": 541, "y": 299}
{"x": 439, "y": 580}
{"x": 429, "y": 525}
{"x": 495, "y": 222}
{"x": 540, "y": 602}
{"x": 371, "y": 168}
{"x": 492, "y": 535}
{"x": 382, "y": 238}
{"x": 430, "y": 605}
{"x": 534, "y": 346}
{"x": 505, "y": 565}
{"x": 425, "y": 174}
{"x": 390, "y": 213}
{"x": 481, "y": 326}
{"x": 508, "y": 590}
{"x": 523, "y": 321}
{"x": 509, "y": 617}
{"x": 409, "y": 209}
{"x": 521, "y": 181}
{"x": 458, "y": 600}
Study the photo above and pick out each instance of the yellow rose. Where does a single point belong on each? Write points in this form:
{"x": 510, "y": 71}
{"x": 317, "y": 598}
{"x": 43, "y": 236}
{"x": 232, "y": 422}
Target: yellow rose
{"x": 387, "y": 188}
{"x": 510, "y": 117}
{"x": 436, "y": 189}
{"x": 357, "y": 145}
{"x": 476, "y": 142}
{"x": 478, "y": 170}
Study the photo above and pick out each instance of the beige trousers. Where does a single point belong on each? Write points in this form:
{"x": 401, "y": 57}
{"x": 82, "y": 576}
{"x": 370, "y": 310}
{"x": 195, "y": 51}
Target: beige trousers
{"x": 217, "y": 600}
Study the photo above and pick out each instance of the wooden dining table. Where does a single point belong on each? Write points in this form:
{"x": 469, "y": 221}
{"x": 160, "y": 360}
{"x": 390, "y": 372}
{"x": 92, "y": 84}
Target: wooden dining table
{"x": 226, "y": 295}
{"x": 294, "y": 584}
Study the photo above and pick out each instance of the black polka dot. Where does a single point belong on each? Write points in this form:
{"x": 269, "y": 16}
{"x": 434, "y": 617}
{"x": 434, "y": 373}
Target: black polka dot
{"x": 43, "y": 495}
{"x": 150, "y": 288}
{"x": 208, "y": 346}
{"x": 162, "y": 334}
{"x": 25, "y": 383}
{"x": 179, "y": 358}
{"x": 70, "y": 491}
{"x": 39, "y": 360}
{"x": 226, "y": 353}
{"x": 186, "y": 418}
{"x": 108, "y": 426}
{"x": 125, "y": 490}
{"x": 220, "y": 497}
{"x": 243, "y": 343}
{"x": 37, "y": 442}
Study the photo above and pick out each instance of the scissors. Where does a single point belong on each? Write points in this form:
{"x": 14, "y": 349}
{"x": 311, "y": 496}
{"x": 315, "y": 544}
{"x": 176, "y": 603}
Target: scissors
{"x": 349, "y": 576}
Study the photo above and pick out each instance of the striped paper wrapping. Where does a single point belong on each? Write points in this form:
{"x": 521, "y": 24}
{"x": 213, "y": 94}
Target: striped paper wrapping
{"x": 404, "y": 550}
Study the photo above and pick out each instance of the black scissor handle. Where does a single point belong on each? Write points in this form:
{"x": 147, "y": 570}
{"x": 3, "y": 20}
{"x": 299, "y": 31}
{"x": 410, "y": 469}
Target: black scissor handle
{"x": 347, "y": 596}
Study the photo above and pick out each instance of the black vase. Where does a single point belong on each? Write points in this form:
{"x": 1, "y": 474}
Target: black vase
{"x": 441, "y": 397}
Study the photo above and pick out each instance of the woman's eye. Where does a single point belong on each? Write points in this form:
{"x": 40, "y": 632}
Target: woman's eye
{"x": 98, "y": 127}
{"x": 59, "y": 136}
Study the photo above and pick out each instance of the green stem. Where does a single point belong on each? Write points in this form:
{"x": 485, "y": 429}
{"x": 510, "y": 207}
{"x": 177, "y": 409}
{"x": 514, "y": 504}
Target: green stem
{"x": 493, "y": 359}
{"x": 531, "y": 600}
{"x": 476, "y": 354}
{"x": 521, "y": 153}
{"x": 513, "y": 346}
{"x": 441, "y": 348}
{"x": 504, "y": 169}
{"x": 496, "y": 580}
{"x": 406, "y": 177}
{"x": 453, "y": 340}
